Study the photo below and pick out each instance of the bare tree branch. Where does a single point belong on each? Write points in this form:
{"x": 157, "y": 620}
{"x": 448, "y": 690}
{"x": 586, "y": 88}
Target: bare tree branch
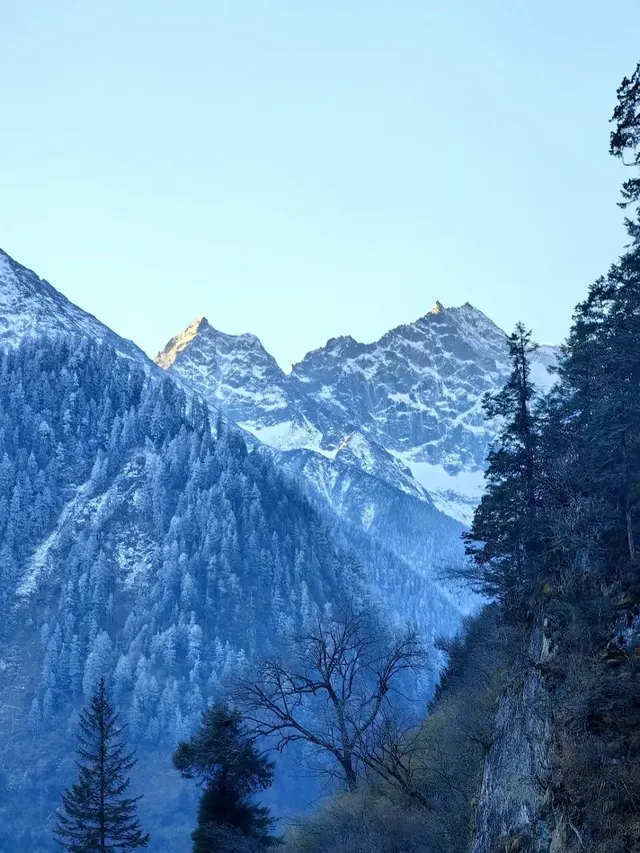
{"x": 338, "y": 696}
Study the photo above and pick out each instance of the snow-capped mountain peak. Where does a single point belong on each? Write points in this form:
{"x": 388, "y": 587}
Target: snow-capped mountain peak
{"x": 205, "y": 338}
{"x": 237, "y": 374}
{"x": 405, "y": 409}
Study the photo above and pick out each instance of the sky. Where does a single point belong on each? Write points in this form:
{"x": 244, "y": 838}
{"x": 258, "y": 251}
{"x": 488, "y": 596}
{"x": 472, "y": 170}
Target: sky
{"x": 303, "y": 169}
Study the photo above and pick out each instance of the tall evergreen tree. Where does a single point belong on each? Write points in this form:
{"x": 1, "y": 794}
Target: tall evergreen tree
{"x": 625, "y": 138}
{"x": 501, "y": 541}
{"x": 96, "y": 815}
{"x": 225, "y": 761}
{"x": 600, "y": 375}
{"x": 599, "y": 389}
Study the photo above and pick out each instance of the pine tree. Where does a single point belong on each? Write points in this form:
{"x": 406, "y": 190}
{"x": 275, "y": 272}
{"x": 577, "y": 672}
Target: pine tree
{"x": 501, "y": 542}
{"x": 96, "y": 816}
{"x": 599, "y": 404}
{"x": 228, "y": 766}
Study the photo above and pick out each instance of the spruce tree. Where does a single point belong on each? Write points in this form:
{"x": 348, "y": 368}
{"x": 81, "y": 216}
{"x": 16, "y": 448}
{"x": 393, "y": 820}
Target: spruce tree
{"x": 226, "y": 763}
{"x": 96, "y": 816}
{"x": 600, "y": 375}
{"x": 501, "y": 542}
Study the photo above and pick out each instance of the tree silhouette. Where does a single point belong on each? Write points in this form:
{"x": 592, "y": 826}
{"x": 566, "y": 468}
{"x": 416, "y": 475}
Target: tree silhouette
{"x": 96, "y": 816}
{"x": 225, "y": 761}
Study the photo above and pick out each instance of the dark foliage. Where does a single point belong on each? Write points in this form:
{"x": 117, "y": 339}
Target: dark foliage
{"x": 578, "y": 566}
{"x": 225, "y": 762}
{"x": 502, "y": 540}
{"x": 96, "y": 814}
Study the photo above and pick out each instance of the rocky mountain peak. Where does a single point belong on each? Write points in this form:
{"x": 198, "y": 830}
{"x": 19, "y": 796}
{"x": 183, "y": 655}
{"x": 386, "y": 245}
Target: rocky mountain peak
{"x": 211, "y": 345}
{"x": 181, "y": 341}
{"x": 200, "y": 324}
{"x": 231, "y": 372}
{"x": 405, "y": 409}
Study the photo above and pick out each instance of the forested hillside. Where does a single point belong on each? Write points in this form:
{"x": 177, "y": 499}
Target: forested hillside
{"x": 143, "y": 541}
{"x": 138, "y": 544}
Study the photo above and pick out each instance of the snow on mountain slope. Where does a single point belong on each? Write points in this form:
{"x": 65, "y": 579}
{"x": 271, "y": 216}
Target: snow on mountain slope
{"x": 405, "y": 409}
{"x": 29, "y": 305}
{"x": 236, "y": 371}
{"x": 418, "y": 390}
{"x": 137, "y": 544}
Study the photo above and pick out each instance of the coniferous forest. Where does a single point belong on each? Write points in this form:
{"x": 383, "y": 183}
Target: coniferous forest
{"x": 196, "y": 655}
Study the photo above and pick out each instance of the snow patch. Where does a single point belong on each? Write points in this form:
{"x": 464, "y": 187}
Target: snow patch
{"x": 286, "y": 435}
{"x": 368, "y": 515}
{"x": 41, "y": 560}
{"x": 456, "y": 495}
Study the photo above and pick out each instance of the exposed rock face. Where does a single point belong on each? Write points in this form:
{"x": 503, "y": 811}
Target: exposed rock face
{"x": 416, "y": 390}
{"x": 515, "y": 810}
{"x": 512, "y": 800}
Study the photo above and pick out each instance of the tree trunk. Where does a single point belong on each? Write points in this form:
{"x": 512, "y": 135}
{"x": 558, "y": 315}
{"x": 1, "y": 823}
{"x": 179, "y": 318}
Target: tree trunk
{"x": 630, "y": 536}
{"x": 349, "y": 774}
{"x": 103, "y": 839}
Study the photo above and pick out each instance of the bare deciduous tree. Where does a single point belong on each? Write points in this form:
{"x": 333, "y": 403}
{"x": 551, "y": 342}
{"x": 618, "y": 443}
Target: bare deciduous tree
{"x": 340, "y": 697}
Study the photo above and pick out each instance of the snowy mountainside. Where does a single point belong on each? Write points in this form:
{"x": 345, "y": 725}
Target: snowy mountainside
{"x": 136, "y": 543}
{"x": 236, "y": 371}
{"x": 29, "y": 305}
{"x": 417, "y": 538}
{"x": 417, "y": 392}
{"x": 405, "y": 409}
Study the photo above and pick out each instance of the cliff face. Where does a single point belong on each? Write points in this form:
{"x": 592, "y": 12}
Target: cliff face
{"x": 515, "y": 809}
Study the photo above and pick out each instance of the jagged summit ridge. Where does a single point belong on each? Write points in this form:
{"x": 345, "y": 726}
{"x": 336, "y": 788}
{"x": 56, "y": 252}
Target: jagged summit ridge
{"x": 465, "y": 316}
{"x": 413, "y": 396}
{"x": 201, "y": 330}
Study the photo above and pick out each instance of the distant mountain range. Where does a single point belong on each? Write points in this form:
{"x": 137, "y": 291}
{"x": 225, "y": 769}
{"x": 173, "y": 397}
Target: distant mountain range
{"x": 405, "y": 409}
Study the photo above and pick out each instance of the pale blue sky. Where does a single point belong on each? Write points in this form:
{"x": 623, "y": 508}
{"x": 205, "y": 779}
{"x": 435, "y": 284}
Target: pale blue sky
{"x": 302, "y": 169}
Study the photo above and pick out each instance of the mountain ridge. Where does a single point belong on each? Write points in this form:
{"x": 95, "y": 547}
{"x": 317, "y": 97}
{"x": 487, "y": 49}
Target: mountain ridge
{"x": 414, "y": 395}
